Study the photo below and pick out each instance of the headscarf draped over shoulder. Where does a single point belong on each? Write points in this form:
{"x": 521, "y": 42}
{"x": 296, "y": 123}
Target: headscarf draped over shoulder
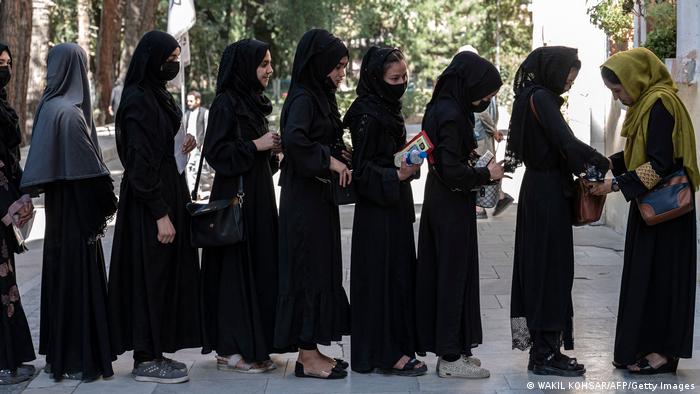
{"x": 64, "y": 141}
{"x": 647, "y": 80}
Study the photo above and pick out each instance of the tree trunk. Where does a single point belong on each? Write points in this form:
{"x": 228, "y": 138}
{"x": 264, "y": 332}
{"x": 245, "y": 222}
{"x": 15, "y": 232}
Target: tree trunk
{"x": 139, "y": 18}
{"x": 16, "y": 32}
{"x": 84, "y": 26}
{"x": 39, "y": 54}
{"x": 108, "y": 38}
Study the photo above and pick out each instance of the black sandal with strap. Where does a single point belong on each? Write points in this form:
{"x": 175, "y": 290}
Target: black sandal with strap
{"x": 340, "y": 363}
{"x": 558, "y": 364}
{"x": 645, "y": 368}
{"x": 333, "y": 374}
{"x": 411, "y": 368}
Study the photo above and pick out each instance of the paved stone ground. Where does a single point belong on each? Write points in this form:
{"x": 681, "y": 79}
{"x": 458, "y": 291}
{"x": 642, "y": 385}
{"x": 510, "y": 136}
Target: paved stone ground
{"x": 598, "y": 268}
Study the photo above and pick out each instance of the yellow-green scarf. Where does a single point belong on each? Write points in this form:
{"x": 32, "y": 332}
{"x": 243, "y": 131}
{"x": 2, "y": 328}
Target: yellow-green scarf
{"x": 647, "y": 80}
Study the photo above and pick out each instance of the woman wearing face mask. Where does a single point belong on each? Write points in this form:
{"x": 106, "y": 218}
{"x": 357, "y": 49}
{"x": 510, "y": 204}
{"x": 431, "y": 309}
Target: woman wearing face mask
{"x": 447, "y": 285}
{"x": 657, "y": 295}
{"x": 383, "y": 249}
{"x": 15, "y": 209}
{"x": 65, "y": 163}
{"x": 239, "y": 282}
{"x": 543, "y": 262}
{"x": 313, "y": 307}
{"x": 154, "y": 273}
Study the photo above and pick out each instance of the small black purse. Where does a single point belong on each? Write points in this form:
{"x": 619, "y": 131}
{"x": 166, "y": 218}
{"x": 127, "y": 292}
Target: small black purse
{"x": 218, "y": 223}
{"x": 337, "y": 194}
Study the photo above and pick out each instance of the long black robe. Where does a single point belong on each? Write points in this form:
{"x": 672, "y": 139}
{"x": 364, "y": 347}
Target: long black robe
{"x": 239, "y": 282}
{"x": 154, "y": 303}
{"x": 543, "y": 261}
{"x": 312, "y": 305}
{"x": 382, "y": 281}
{"x": 15, "y": 339}
{"x": 657, "y": 296}
{"x": 447, "y": 310}
{"x": 74, "y": 323}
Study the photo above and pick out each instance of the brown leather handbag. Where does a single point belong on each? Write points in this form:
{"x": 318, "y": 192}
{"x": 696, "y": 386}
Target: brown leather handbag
{"x": 587, "y": 208}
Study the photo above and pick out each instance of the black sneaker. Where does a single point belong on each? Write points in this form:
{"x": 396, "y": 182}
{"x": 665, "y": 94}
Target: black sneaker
{"x": 482, "y": 214}
{"x": 158, "y": 371}
{"x": 503, "y": 204}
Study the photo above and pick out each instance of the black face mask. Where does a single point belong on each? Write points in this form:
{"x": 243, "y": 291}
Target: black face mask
{"x": 5, "y": 76}
{"x": 395, "y": 92}
{"x": 168, "y": 71}
{"x": 481, "y": 107}
{"x": 328, "y": 84}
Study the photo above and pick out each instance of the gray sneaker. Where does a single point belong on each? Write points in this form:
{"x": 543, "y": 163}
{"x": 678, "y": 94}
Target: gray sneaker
{"x": 159, "y": 372}
{"x": 177, "y": 364}
{"x": 7, "y": 377}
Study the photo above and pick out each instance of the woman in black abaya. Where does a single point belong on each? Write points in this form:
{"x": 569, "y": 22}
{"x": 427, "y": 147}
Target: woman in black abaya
{"x": 313, "y": 307}
{"x": 656, "y": 315}
{"x": 239, "y": 282}
{"x": 447, "y": 284}
{"x": 15, "y": 209}
{"x": 65, "y": 163}
{"x": 543, "y": 262}
{"x": 154, "y": 272}
{"x": 382, "y": 284}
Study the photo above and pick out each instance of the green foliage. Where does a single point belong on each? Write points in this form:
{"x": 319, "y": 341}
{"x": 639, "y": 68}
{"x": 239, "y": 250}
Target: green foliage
{"x": 614, "y": 17}
{"x": 662, "y": 39}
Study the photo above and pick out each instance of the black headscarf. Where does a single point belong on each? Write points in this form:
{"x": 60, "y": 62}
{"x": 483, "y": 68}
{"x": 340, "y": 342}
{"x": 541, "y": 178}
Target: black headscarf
{"x": 238, "y": 76}
{"x": 64, "y": 140}
{"x": 10, "y": 134}
{"x": 150, "y": 54}
{"x": 468, "y": 78}
{"x": 544, "y": 68}
{"x": 318, "y": 52}
{"x": 374, "y": 96}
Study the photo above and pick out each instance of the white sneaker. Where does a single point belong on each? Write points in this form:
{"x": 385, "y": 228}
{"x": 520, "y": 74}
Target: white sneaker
{"x": 472, "y": 360}
{"x": 462, "y": 368}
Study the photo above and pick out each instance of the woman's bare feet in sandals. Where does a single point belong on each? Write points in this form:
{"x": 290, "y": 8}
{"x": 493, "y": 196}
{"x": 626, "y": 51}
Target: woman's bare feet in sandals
{"x": 315, "y": 363}
{"x": 655, "y": 361}
{"x": 403, "y": 360}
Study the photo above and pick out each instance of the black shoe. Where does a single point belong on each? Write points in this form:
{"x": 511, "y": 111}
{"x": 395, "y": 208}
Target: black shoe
{"x": 334, "y": 373}
{"x": 409, "y": 369}
{"x": 558, "y": 364}
{"x": 341, "y": 364}
{"x": 645, "y": 368}
{"x": 482, "y": 214}
{"x": 503, "y": 204}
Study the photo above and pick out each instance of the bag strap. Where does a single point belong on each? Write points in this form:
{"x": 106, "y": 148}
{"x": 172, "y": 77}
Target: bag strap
{"x": 199, "y": 175}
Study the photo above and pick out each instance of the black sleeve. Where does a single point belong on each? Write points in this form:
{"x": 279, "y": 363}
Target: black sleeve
{"x": 659, "y": 153}
{"x": 618, "y": 163}
{"x": 450, "y": 159}
{"x": 274, "y": 163}
{"x": 377, "y": 183}
{"x": 224, "y": 148}
{"x": 576, "y": 153}
{"x": 309, "y": 158}
{"x": 143, "y": 160}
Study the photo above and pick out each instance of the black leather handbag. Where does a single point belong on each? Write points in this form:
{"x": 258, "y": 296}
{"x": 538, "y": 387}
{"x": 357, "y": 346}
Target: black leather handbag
{"x": 218, "y": 223}
{"x": 337, "y": 194}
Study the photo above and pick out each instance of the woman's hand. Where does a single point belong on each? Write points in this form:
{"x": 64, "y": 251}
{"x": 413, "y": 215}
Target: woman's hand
{"x": 268, "y": 141}
{"x": 406, "y": 170}
{"x": 166, "y": 230}
{"x": 601, "y": 188}
{"x": 189, "y": 144}
{"x": 347, "y": 154}
{"x": 496, "y": 171}
{"x": 344, "y": 173}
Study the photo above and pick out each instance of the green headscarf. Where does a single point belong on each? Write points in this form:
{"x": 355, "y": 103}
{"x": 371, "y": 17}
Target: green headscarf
{"x": 647, "y": 80}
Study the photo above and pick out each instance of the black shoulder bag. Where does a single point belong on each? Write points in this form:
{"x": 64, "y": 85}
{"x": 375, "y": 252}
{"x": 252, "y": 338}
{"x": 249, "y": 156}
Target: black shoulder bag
{"x": 218, "y": 223}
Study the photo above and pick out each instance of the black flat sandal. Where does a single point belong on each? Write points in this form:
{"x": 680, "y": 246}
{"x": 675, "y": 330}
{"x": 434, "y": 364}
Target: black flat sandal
{"x": 409, "y": 369}
{"x": 645, "y": 368}
{"x": 558, "y": 364}
{"x": 340, "y": 363}
{"x": 618, "y": 365}
{"x": 299, "y": 372}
